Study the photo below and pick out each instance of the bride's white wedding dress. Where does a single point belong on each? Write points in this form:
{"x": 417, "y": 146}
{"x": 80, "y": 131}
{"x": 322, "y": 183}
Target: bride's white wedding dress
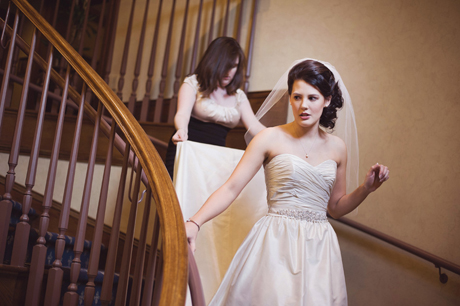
{"x": 291, "y": 256}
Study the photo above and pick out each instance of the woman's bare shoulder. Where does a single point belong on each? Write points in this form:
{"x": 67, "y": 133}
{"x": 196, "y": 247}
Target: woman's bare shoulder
{"x": 271, "y": 133}
{"x": 336, "y": 144}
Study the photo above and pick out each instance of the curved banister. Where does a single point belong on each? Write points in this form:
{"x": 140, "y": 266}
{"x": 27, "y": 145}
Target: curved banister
{"x": 174, "y": 245}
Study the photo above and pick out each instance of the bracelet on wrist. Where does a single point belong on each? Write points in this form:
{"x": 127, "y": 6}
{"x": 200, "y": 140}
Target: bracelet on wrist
{"x": 190, "y": 220}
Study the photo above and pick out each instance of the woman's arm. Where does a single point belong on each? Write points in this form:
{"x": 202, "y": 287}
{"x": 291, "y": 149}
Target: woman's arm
{"x": 252, "y": 125}
{"x": 341, "y": 203}
{"x": 185, "y": 101}
{"x": 221, "y": 199}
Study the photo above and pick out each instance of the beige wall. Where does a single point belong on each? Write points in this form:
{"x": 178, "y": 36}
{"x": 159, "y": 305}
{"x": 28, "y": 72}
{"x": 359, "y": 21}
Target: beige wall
{"x": 400, "y": 61}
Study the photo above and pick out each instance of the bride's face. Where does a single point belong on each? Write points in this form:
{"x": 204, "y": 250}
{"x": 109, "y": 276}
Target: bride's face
{"x": 307, "y": 103}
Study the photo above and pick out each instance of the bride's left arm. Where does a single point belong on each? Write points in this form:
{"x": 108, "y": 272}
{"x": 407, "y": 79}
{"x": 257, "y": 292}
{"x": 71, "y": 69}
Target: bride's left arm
{"x": 341, "y": 203}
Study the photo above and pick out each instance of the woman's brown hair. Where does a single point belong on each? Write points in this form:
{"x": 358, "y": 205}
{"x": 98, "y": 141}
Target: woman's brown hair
{"x": 218, "y": 59}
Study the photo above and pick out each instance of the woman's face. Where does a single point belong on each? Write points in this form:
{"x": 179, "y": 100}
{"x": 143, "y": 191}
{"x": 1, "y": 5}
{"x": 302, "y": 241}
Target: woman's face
{"x": 307, "y": 103}
{"x": 228, "y": 77}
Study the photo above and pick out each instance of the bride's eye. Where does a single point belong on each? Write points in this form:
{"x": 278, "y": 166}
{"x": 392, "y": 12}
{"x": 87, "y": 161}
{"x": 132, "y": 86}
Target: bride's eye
{"x": 313, "y": 98}
{"x": 297, "y": 98}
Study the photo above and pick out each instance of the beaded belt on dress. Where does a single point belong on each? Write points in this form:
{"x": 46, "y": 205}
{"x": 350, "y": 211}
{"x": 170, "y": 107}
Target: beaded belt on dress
{"x": 306, "y": 215}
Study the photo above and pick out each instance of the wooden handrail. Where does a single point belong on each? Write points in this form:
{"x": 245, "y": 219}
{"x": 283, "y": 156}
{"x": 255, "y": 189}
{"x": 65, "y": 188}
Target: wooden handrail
{"x": 437, "y": 261}
{"x": 171, "y": 220}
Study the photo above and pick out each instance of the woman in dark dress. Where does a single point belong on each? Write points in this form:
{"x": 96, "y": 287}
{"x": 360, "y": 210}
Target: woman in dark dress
{"x": 210, "y": 102}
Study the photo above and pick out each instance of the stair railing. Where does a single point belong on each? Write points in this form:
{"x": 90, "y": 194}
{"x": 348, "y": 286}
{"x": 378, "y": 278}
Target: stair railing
{"x": 167, "y": 264}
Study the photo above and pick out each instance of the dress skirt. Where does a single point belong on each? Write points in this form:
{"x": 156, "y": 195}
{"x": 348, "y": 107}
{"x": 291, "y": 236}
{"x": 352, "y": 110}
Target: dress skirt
{"x": 198, "y": 131}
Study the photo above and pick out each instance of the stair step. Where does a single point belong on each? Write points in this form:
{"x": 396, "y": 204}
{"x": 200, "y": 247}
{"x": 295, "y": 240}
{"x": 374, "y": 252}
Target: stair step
{"x": 50, "y": 238}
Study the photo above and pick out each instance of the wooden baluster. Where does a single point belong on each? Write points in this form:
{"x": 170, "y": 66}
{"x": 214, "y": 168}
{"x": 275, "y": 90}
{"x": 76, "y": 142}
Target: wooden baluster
{"x": 240, "y": 22}
{"x": 94, "y": 58}
{"x": 71, "y": 296}
{"x": 54, "y": 104}
{"x": 18, "y": 257}
{"x": 53, "y": 22}
{"x": 122, "y": 289}
{"x": 55, "y": 274}
{"x": 211, "y": 26}
{"x": 158, "y": 280}
{"x": 148, "y": 84}
{"x": 150, "y": 277}
{"x": 7, "y": 71}
{"x": 14, "y": 65}
{"x": 164, "y": 70}
{"x": 97, "y": 238}
{"x": 63, "y": 62}
{"x": 124, "y": 61}
{"x": 107, "y": 283}
{"x": 180, "y": 59}
{"x": 5, "y": 204}
{"x": 110, "y": 38}
{"x": 197, "y": 37}
{"x": 140, "y": 257}
{"x": 194, "y": 281}
{"x": 251, "y": 46}
{"x": 137, "y": 68}
{"x": 82, "y": 38}
{"x": 83, "y": 29}
{"x": 227, "y": 11}
{"x": 37, "y": 265}
{"x": 97, "y": 45}
{"x": 5, "y": 23}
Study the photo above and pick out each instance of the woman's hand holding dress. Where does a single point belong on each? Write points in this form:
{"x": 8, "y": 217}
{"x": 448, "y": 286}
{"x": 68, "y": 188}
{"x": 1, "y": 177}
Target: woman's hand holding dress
{"x": 180, "y": 135}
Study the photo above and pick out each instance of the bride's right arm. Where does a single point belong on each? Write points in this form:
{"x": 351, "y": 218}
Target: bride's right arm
{"x": 221, "y": 199}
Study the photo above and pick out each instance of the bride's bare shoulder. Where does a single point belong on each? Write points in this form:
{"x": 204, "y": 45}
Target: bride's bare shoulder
{"x": 271, "y": 133}
{"x": 336, "y": 143}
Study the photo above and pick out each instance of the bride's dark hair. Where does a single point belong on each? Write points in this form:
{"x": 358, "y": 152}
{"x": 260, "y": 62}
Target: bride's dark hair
{"x": 320, "y": 77}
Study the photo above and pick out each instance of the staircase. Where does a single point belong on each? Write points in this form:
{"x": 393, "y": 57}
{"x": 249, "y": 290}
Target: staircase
{"x": 62, "y": 256}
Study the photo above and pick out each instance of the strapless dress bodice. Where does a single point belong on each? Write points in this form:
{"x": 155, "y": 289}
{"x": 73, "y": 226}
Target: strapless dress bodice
{"x": 293, "y": 184}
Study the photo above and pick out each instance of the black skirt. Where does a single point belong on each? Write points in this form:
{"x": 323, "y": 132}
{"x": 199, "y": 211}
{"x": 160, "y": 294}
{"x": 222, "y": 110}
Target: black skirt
{"x": 199, "y": 131}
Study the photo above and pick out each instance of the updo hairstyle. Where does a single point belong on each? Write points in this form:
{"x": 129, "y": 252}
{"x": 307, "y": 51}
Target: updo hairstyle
{"x": 320, "y": 77}
{"x": 218, "y": 59}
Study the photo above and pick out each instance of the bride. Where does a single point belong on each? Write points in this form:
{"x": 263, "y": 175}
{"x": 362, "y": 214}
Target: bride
{"x": 291, "y": 256}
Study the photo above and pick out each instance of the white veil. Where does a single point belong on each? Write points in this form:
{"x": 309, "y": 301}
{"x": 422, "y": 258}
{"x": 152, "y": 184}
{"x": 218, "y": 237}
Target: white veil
{"x": 276, "y": 111}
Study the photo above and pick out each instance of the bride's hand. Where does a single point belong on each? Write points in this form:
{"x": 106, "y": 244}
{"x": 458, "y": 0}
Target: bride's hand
{"x": 191, "y": 231}
{"x": 375, "y": 177}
